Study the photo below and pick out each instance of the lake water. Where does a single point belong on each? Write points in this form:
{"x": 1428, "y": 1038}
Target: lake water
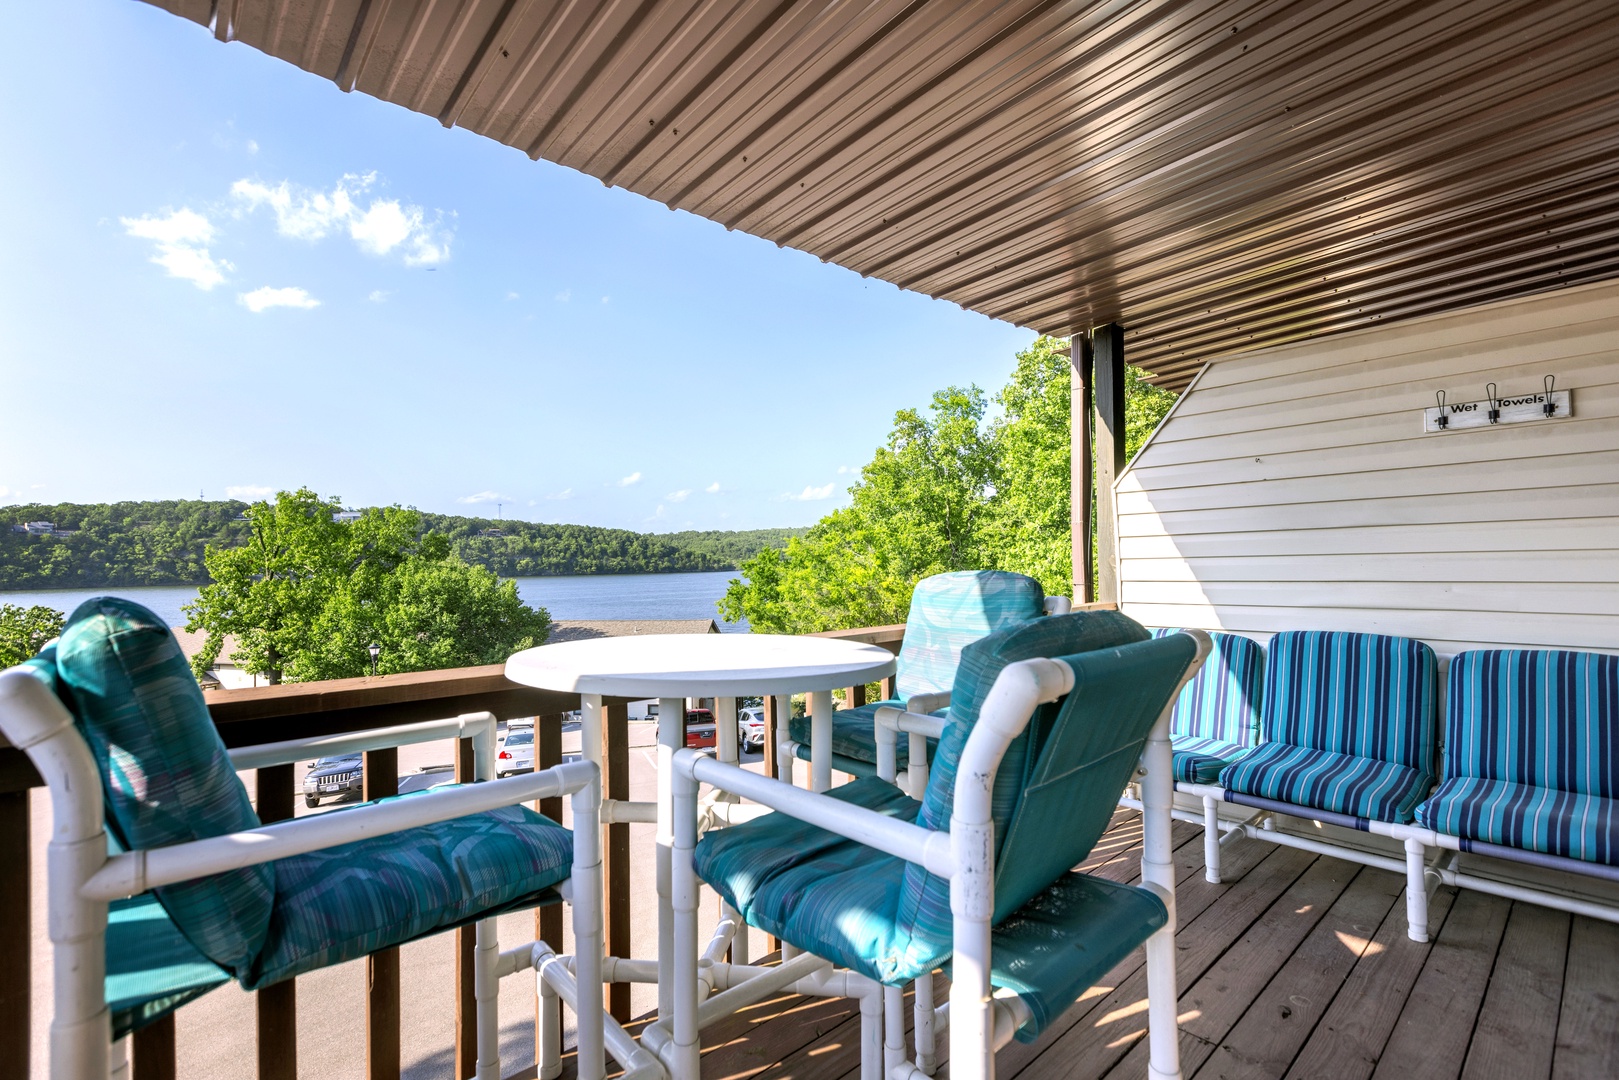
{"x": 596, "y": 596}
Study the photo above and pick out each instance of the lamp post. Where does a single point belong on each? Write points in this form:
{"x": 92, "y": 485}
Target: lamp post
{"x": 374, "y": 649}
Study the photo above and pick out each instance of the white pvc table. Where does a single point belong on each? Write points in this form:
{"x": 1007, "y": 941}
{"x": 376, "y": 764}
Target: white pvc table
{"x": 672, "y": 668}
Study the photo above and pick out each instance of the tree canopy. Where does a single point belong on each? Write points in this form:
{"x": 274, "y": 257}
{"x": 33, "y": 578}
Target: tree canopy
{"x": 954, "y": 488}
{"x": 306, "y": 594}
{"x": 25, "y": 630}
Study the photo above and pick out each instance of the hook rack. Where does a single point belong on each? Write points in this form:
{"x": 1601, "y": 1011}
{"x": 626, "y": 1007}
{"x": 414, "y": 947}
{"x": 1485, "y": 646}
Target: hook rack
{"x": 1550, "y": 407}
{"x": 1444, "y": 421}
{"x": 1495, "y": 403}
{"x": 1549, "y": 403}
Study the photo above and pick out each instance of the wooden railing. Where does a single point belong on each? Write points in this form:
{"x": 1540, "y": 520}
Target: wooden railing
{"x": 265, "y": 714}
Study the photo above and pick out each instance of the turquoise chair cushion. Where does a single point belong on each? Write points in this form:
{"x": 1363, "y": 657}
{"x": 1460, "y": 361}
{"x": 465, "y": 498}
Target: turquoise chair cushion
{"x": 165, "y": 775}
{"x": 1361, "y": 695}
{"x": 949, "y": 612}
{"x": 151, "y": 968}
{"x": 1199, "y": 761}
{"x": 1221, "y": 704}
{"x": 1548, "y": 820}
{"x": 854, "y": 736}
{"x": 1539, "y": 718}
{"x": 347, "y": 901}
{"x": 1058, "y": 945}
{"x": 1357, "y": 787}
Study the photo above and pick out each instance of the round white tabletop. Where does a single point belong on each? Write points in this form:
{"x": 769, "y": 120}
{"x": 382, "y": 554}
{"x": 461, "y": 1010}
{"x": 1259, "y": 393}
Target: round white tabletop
{"x": 700, "y": 665}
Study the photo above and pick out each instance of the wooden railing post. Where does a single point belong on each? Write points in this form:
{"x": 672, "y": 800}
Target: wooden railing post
{"x": 15, "y": 970}
{"x": 854, "y": 696}
{"x": 278, "y": 1004}
{"x": 382, "y": 1012}
{"x": 616, "y": 849}
{"x": 548, "y": 919}
{"x": 891, "y": 688}
{"x": 466, "y": 944}
{"x": 152, "y": 1050}
{"x": 771, "y": 766}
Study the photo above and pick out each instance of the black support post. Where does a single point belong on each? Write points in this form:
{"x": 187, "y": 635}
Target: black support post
{"x": 1108, "y": 345}
{"x": 1081, "y": 491}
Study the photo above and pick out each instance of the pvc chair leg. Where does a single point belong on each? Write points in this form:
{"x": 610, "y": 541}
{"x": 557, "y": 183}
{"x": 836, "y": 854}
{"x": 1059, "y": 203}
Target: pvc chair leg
{"x": 871, "y": 1036}
{"x": 893, "y": 1027}
{"x": 486, "y": 991}
{"x": 1163, "y": 1037}
{"x": 549, "y": 1057}
{"x": 927, "y": 1056}
{"x": 1211, "y": 839}
{"x": 1416, "y": 890}
{"x": 118, "y": 1061}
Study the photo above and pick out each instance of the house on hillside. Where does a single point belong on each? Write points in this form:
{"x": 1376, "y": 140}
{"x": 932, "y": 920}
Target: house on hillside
{"x": 225, "y": 674}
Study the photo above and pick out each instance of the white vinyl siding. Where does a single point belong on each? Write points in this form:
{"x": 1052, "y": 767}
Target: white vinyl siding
{"x": 1295, "y": 489}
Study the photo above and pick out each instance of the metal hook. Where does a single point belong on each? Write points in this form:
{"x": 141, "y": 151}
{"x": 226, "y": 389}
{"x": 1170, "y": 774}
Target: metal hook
{"x": 1444, "y": 421}
{"x": 1550, "y": 408}
{"x": 1495, "y": 403}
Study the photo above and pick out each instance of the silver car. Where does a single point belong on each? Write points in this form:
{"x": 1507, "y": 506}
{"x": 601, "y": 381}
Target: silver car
{"x": 750, "y": 729}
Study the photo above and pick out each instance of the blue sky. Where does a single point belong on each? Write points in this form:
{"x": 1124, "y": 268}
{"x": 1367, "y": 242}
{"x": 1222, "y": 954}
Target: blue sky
{"x": 222, "y": 275}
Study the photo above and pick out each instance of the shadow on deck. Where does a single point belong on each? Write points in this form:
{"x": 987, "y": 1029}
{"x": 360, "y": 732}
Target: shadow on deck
{"x": 1296, "y": 966}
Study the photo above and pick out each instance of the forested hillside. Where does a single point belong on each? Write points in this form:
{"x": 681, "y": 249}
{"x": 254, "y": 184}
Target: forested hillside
{"x": 162, "y": 543}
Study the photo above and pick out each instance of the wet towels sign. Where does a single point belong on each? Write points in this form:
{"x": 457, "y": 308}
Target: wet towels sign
{"x": 1508, "y": 410}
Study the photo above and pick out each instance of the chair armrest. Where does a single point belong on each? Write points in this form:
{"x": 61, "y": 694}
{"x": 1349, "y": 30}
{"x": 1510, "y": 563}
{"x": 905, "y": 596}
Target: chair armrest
{"x": 926, "y": 703}
{"x": 1058, "y": 605}
{"x": 911, "y": 721}
{"x": 137, "y": 871}
{"x": 901, "y": 839}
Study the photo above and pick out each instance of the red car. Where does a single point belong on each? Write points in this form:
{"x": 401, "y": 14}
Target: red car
{"x": 700, "y": 729}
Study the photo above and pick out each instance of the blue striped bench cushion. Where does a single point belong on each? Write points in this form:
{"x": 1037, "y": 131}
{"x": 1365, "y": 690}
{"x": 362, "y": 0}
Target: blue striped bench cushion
{"x": 1541, "y": 819}
{"x": 1358, "y": 787}
{"x": 1221, "y": 703}
{"x": 1199, "y": 761}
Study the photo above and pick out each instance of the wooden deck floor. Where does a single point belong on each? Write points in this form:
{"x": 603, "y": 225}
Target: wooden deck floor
{"x": 1295, "y": 966}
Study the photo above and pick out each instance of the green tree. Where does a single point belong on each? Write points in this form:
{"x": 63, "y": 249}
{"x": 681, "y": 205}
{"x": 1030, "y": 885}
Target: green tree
{"x": 307, "y": 593}
{"x": 947, "y": 492}
{"x": 25, "y": 630}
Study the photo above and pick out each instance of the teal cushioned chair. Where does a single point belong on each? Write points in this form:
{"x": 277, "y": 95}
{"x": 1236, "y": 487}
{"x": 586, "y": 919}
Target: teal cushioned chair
{"x": 1216, "y": 717}
{"x": 167, "y": 779}
{"x": 1054, "y": 792}
{"x": 948, "y": 612}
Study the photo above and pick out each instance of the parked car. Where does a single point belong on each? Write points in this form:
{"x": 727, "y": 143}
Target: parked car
{"x": 700, "y": 730}
{"x": 750, "y": 729}
{"x": 516, "y": 752}
{"x": 335, "y": 777}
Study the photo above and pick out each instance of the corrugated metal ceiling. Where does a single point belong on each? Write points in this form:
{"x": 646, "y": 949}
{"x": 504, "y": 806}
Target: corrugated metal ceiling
{"x": 1216, "y": 176}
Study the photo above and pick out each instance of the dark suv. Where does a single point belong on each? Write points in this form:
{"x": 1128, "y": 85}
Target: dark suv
{"x": 334, "y": 777}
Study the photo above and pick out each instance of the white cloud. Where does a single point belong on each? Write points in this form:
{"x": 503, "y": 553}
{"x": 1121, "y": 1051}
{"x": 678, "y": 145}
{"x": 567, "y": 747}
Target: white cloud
{"x": 252, "y": 146}
{"x": 813, "y": 494}
{"x": 677, "y": 496}
{"x": 633, "y": 478}
{"x": 249, "y": 492}
{"x": 565, "y": 493}
{"x": 264, "y": 298}
{"x": 564, "y": 296}
{"x": 846, "y": 469}
{"x": 714, "y": 488}
{"x": 182, "y": 238}
{"x": 378, "y": 296}
{"x": 511, "y": 296}
{"x": 483, "y": 497}
{"x": 604, "y": 299}
{"x": 385, "y": 226}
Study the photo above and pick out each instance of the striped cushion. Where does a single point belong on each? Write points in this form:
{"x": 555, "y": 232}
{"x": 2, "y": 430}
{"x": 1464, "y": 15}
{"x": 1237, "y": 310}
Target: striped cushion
{"x": 1221, "y": 704}
{"x": 1565, "y": 823}
{"x": 854, "y": 735}
{"x": 1359, "y": 787}
{"x": 1199, "y": 761}
{"x": 354, "y": 899}
{"x": 950, "y": 611}
{"x": 1364, "y": 695}
{"x": 165, "y": 775}
{"x": 1537, "y": 718}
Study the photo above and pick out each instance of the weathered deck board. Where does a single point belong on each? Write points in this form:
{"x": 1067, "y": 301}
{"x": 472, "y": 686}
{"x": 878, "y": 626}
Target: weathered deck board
{"x": 1296, "y": 966}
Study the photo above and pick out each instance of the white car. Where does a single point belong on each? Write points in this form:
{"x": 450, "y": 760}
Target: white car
{"x": 516, "y": 753}
{"x": 750, "y": 729}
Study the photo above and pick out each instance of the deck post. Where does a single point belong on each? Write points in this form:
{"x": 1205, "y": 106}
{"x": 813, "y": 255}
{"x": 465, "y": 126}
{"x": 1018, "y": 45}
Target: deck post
{"x": 1080, "y": 491}
{"x": 382, "y": 1007}
{"x": 277, "y": 1005}
{"x": 152, "y": 1051}
{"x": 15, "y": 972}
{"x": 616, "y": 850}
{"x": 466, "y": 945}
{"x": 1108, "y": 358}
